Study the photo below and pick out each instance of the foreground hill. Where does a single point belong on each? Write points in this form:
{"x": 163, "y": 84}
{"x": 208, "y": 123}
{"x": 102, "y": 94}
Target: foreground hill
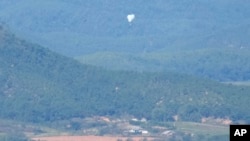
{"x": 38, "y": 85}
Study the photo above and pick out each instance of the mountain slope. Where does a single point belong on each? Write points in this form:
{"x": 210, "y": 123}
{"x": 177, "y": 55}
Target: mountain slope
{"x": 77, "y": 27}
{"x": 38, "y": 85}
{"x": 160, "y": 38}
{"x": 224, "y": 64}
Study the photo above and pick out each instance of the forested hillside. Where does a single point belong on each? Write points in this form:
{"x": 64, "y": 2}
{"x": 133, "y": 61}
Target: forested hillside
{"x": 208, "y": 39}
{"x": 76, "y": 27}
{"x": 222, "y": 64}
{"x": 38, "y": 85}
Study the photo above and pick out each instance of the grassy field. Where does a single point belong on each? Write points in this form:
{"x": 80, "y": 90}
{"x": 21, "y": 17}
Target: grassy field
{"x": 201, "y": 128}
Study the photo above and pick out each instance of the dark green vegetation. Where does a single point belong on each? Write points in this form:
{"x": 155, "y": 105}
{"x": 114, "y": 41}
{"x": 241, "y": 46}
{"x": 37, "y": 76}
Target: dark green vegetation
{"x": 196, "y": 37}
{"x": 76, "y": 27}
{"x": 38, "y": 85}
{"x": 167, "y": 48}
{"x": 224, "y": 64}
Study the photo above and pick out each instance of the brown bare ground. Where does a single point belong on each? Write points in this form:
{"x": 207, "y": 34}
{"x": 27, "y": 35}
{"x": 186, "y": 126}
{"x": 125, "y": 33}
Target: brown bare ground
{"x": 88, "y": 138}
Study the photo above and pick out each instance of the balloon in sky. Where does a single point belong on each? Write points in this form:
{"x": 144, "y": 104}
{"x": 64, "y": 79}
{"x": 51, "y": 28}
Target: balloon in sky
{"x": 130, "y": 17}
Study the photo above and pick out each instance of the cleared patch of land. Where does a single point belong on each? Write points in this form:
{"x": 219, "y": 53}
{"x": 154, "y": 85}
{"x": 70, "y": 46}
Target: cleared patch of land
{"x": 201, "y": 128}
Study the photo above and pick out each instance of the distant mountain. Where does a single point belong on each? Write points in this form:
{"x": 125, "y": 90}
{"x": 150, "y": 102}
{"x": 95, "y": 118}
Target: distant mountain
{"x": 224, "y": 64}
{"x": 38, "y": 85}
{"x": 162, "y": 36}
{"x": 75, "y": 27}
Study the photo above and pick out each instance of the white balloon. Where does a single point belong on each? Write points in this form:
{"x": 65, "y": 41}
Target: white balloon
{"x": 130, "y": 17}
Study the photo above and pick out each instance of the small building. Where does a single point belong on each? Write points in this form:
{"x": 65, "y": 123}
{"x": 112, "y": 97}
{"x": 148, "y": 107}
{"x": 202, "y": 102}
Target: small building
{"x": 144, "y": 132}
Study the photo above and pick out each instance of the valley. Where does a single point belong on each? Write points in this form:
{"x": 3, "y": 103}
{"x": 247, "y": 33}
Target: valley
{"x": 104, "y": 128}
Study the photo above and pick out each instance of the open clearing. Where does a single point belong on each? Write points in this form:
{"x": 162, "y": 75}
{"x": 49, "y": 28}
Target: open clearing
{"x": 201, "y": 128}
{"x": 88, "y": 138}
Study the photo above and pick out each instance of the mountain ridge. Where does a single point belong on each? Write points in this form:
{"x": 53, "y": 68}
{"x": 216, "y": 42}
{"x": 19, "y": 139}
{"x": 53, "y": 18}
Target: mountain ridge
{"x": 39, "y": 85}
{"x": 85, "y": 29}
{"x": 224, "y": 64}
{"x": 70, "y": 29}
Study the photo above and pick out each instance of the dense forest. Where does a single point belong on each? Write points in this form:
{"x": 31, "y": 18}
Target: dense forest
{"x": 38, "y": 85}
{"x": 222, "y": 64}
{"x": 179, "y": 70}
{"x": 208, "y": 39}
{"x": 75, "y": 27}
